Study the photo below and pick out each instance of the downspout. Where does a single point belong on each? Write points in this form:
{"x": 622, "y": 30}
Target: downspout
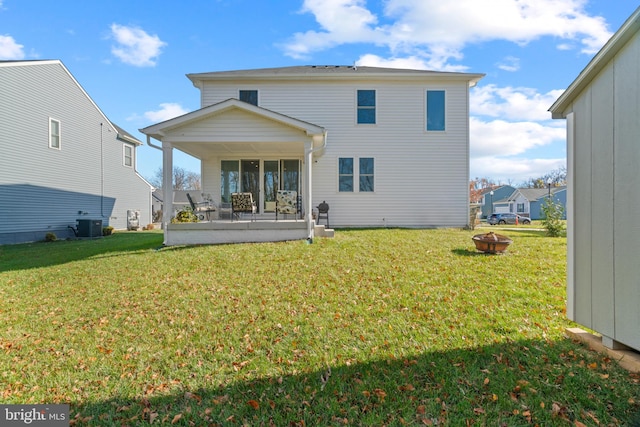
{"x": 309, "y": 159}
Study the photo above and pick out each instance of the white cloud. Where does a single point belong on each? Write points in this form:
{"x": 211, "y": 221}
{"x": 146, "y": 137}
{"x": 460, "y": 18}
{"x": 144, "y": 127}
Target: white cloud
{"x": 510, "y": 63}
{"x": 502, "y": 138}
{"x": 168, "y": 110}
{"x": 9, "y": 49}
{"x": 511, "y": 103}
{"x": 411, "y": 62}
{"x": 135, "y": 46}
{"x": 513, "y": 171}
{"x": 438, "y": 30}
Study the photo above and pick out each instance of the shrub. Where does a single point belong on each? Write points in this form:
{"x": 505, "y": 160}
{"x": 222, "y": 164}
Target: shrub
{"x": 50, "y": 237}
{"x": 107, "y": 231}
{"x": 552, "y": 221}
{"x": 185, "y": 215}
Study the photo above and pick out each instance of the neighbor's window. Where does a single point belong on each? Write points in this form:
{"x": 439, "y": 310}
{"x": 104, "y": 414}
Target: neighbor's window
{"x": 127, "y": 154}
{"x": 435, "y": 110}
{"x": 54, "y": 133}
{"x": 520, "y": 208}
{"x": 366, "y": 106}
{"x": 345, "y": 174}
{"x": 366, "y": 174}
{"x": 250, "y": 96}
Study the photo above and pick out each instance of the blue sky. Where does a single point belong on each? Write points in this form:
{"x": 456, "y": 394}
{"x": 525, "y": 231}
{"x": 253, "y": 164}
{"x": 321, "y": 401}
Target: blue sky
{"x": 132, "y": 56}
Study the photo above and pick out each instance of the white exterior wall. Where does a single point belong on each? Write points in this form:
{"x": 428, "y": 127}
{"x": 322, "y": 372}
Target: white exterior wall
{"x": 421, "y": 178}
{"x": 42, "y": 189}
{"x": 604, "y": 292}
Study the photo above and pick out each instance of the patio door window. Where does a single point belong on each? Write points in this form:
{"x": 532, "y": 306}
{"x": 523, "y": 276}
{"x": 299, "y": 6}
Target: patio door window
{"x": 290, "y": 175}
{"x": 229, "y": 179}
{"x": 250, "y": 173}
{"x": 271, "y": 184}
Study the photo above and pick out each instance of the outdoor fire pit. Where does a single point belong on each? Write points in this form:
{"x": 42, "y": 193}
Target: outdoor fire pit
{"x": 491, "y": 242}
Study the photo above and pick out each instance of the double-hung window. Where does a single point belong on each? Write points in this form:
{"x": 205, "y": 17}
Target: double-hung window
{"x": 250, "y": 96}
{"x": 127, "y": 155}
{"x": 348, "y": 174}
{"x": 54, "y": 134}
{"x": 436, "y": 118}
{"x": 366, "y": 106}
{"x": 345, "y": 174}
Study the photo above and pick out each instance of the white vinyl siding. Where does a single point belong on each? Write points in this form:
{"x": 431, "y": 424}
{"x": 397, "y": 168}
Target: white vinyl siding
{"x": 85, "y": 176}
{"x": 429, "y": 169}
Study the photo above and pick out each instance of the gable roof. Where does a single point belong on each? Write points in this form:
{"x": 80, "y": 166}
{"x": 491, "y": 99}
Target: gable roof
{"x": 532, "y": 194}
{"x": 121, "y": 134}
{"x": 331, "y": 72}
{"x": 156, "y": 131}
{"x": 599, "y": 61}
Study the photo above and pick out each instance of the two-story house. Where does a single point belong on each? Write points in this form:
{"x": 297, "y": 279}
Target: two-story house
{"x": 382, "y": 147}
{"x": 61, "y": 159}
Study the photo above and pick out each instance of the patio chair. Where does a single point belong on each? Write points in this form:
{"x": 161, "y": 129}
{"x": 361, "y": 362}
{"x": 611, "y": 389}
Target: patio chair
{"x": 287, "y": 203}
{"x": 201, "y": 209}
{"x": 242, "y": 203}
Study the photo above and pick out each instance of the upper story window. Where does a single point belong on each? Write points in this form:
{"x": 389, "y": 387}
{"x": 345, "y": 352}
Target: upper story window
{"x": 127, "y": 155}
{"x": 366, "y": 106}
{"x": 436, "y": 110}
{"x": 54, "y": 134}
{"x": 250, "y": 96}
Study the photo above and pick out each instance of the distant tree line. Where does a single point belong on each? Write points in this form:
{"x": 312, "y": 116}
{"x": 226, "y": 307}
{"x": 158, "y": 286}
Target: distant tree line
{"x": 182, "y": 179}
{"x": 556, "y": 178}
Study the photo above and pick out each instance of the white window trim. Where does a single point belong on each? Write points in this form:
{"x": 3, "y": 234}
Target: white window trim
{"x": 59, "y": 147}
{"x": 426, "y": 112}
{"x": 124, "y": 155}
{"x": 356, "y": 174}
{"x": 375, "y": 107}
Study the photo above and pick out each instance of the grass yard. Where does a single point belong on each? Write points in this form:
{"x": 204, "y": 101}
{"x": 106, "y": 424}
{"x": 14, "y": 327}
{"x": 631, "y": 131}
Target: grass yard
{"x": 374, "y": 327}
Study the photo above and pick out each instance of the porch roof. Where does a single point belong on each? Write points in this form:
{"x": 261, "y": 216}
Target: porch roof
{"x": 198, "y": 134}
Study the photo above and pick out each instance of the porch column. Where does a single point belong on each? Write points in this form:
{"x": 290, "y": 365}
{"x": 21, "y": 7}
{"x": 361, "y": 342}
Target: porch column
{"x": 308, "y": 167}
{"x": 167, "y": 185}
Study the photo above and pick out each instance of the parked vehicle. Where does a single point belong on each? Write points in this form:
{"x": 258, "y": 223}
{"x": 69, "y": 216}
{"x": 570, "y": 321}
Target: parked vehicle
{"x": 507, "y": 218}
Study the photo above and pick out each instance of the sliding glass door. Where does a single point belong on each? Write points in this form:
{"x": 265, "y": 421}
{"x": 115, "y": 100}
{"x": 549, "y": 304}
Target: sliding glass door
{"x": 261, "y": 178}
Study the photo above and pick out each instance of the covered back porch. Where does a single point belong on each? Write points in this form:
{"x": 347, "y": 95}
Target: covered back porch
{"x": 243, "y": 148}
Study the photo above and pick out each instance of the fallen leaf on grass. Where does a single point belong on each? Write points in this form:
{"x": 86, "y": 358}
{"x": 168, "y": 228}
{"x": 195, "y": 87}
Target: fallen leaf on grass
{"x": 176, "y": 418}
{"x": 254, "y": 404}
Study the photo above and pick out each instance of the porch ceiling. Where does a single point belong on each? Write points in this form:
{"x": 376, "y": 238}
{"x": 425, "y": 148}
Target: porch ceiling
{"x": 204, "y": 150}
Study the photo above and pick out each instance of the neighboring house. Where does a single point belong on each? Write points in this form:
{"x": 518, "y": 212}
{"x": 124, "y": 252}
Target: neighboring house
{"x": 61, "y": 159}
{"x": 491, "y": 198}
{"x": 601, "y": 108}
{"x": 383, "y": 147}
{"x": 529, "y": 201}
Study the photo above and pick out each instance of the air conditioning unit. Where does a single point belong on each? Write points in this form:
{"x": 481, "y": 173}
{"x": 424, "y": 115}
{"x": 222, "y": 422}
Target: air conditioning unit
{"x": 89, "y": 227}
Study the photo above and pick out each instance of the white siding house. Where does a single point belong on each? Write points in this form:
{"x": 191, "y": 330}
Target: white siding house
{"x": 61, "y": 159}
{"x": 383, "y": 147}
{"x": 602, "y": 107}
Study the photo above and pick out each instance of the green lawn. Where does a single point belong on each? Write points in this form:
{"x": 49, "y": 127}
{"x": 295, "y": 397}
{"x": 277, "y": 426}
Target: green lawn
{"x": 372, "y": 327}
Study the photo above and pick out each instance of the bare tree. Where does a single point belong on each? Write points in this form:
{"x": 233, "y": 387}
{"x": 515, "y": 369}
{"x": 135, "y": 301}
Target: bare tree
{"x": 557, "y": 177}
{"x": 182, "y": 179}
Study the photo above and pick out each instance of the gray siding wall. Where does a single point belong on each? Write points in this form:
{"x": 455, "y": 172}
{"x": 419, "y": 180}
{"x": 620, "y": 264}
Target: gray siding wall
{"x": 43, "y": 189}
{"x": 605, "y": 291}
{"x": 421, "y": 178}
